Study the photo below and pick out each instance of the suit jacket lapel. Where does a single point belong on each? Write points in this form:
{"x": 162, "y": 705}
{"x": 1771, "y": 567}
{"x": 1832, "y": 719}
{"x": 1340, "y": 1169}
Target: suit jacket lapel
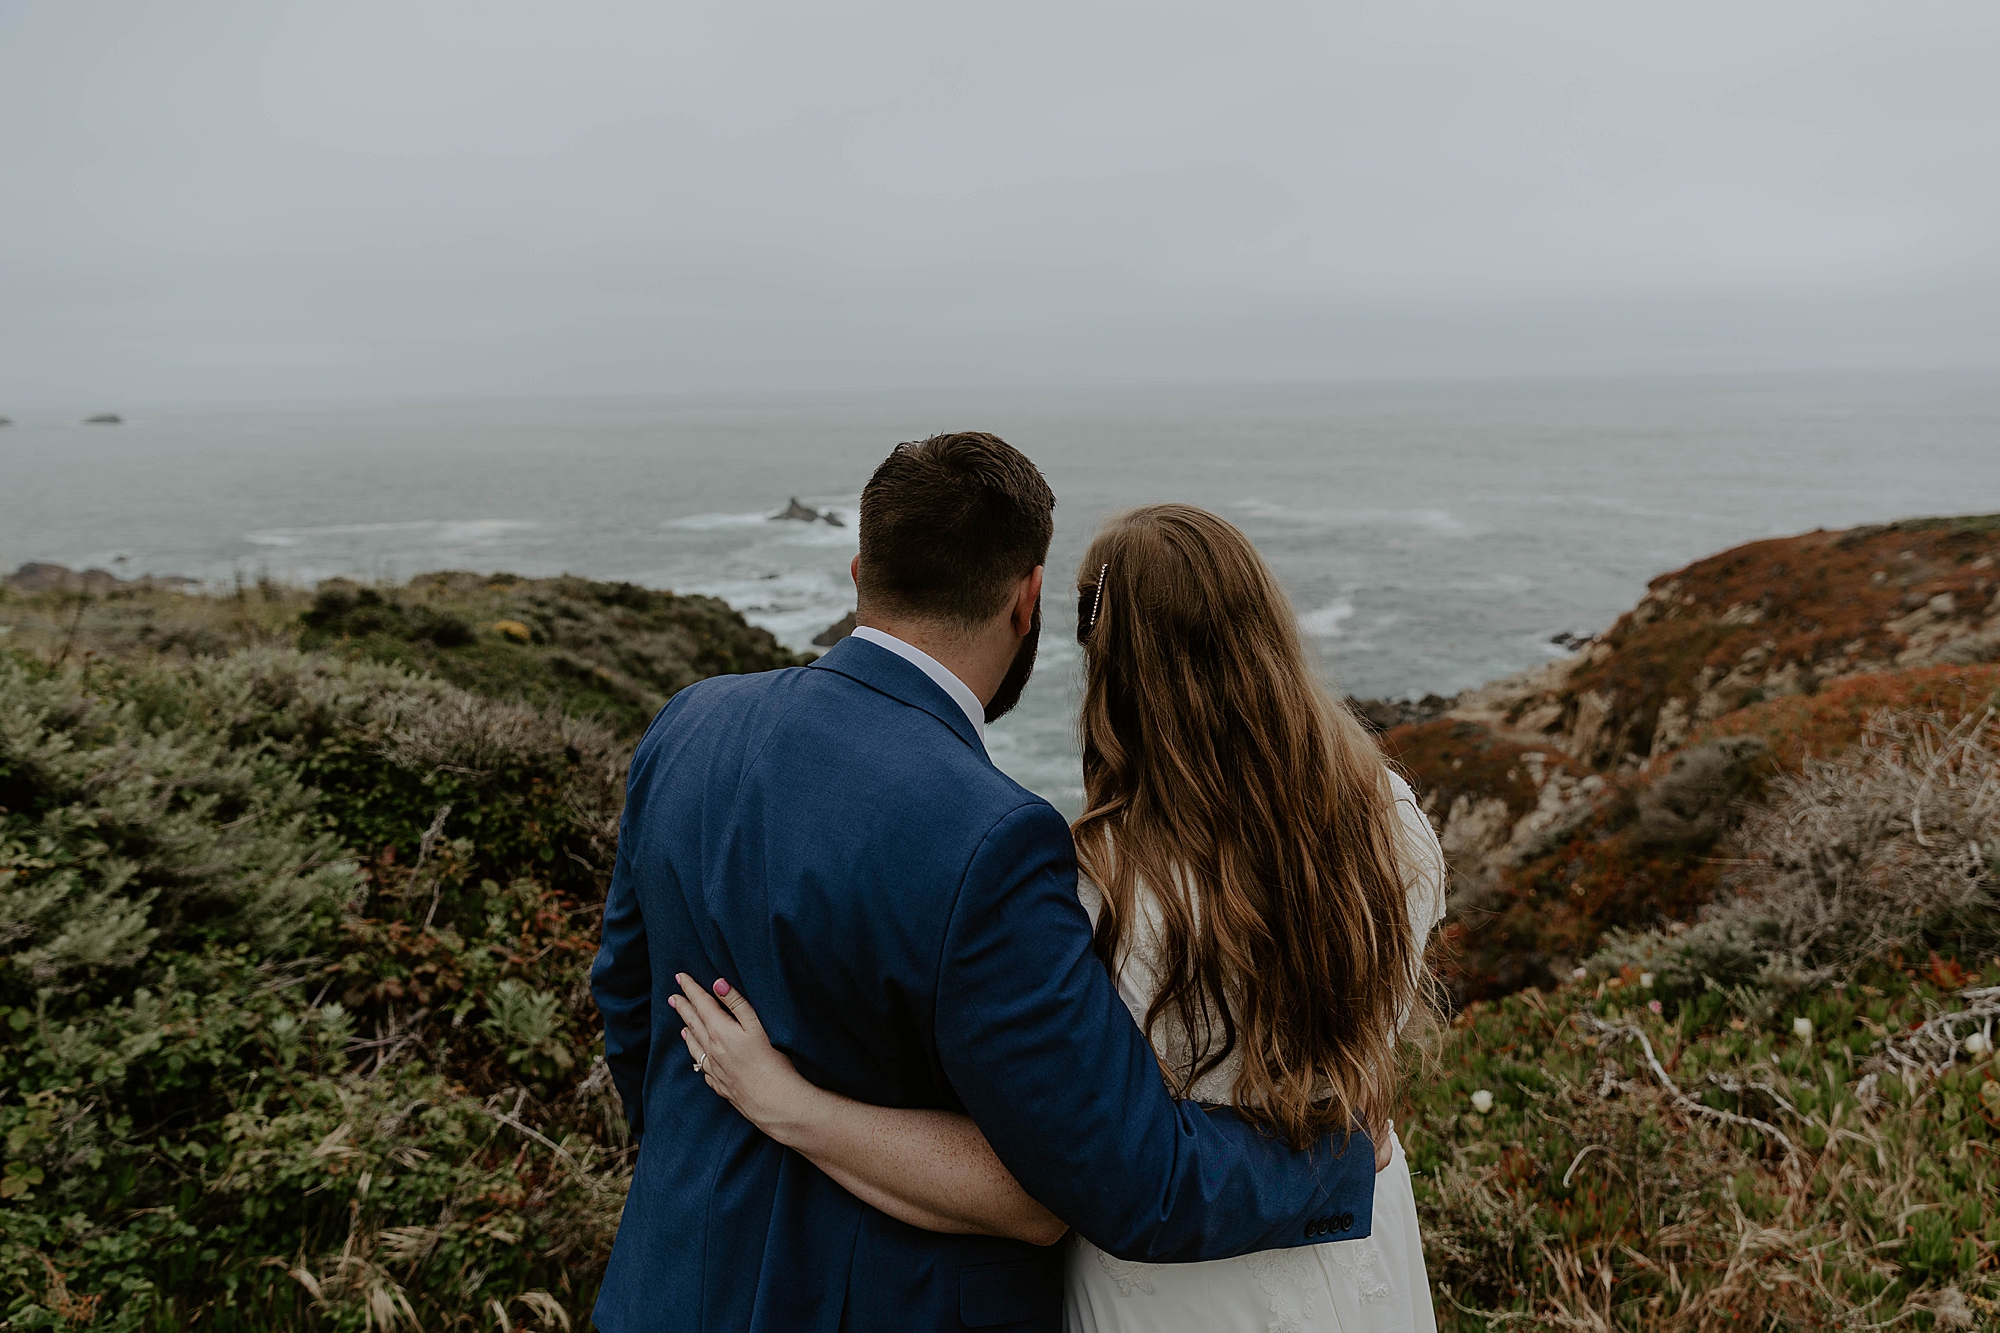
{"x": 879, "y": 669}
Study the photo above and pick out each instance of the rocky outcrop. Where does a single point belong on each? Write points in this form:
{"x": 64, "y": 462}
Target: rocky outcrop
{"x": 1763, "y": 621}
{"x": 1592, "y": 793}
{"x": 835, "y": 632}
{"x": 104, "y": 419}
{"x": 1383, "y": 714}
{"x": 799, "y": 513}
{"x": 39, "y": 576}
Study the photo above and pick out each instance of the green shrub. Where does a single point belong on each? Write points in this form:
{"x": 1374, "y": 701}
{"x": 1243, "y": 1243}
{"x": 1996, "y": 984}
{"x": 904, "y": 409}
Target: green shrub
{"x": 293, "y": 1018}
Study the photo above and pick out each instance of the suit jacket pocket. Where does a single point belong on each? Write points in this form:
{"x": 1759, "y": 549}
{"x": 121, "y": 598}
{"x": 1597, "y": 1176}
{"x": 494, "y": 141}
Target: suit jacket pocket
{"x": 1009, "y": 1293}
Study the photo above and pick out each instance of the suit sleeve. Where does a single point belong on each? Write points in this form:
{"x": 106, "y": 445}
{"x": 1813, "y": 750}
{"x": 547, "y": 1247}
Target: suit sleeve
{"x": 1048, "y": 1062}
{"x": 621, "y": 980}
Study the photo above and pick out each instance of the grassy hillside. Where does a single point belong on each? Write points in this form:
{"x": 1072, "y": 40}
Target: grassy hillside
{"x": 294, "y": 1022}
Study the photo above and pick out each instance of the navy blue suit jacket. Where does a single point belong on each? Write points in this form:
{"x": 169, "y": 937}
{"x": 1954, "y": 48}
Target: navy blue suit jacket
{"x": 834, "y": 840}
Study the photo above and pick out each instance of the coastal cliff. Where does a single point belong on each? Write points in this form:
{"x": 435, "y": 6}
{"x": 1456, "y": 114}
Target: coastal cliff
{"x": 1724, "y": 935}
{"x": 1591, "y": 793}
{"x": 1768, "y": 620}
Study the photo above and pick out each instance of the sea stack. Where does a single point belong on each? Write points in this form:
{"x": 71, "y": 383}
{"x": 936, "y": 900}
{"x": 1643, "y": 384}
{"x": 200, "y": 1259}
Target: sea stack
{"x": 104, "y": 419}
{"x": 798, "y": 513}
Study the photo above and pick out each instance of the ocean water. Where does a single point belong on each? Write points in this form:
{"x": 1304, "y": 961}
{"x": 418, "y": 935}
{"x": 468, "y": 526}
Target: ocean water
{"x": 1431, "y": 536}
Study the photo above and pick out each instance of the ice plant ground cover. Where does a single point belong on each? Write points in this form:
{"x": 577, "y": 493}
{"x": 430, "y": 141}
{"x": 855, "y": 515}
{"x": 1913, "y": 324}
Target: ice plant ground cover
{"x": 1708, "y": 1168}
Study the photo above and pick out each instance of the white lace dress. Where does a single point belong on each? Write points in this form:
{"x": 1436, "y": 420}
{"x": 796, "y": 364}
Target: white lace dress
{"x": 1377, "y": 1284}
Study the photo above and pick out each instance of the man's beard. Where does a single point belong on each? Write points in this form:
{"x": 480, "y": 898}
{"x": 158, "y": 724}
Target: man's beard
{"x": 1018, "y": 672}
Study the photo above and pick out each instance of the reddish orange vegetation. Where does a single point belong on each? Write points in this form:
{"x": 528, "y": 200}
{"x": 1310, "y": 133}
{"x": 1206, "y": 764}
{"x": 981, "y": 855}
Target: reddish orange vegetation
{"x": 1447, "y": 758}
{"x": 1821, "y": 605}
{"x": 1613, "y": 873}
{"x": 1823, "y": 724}
{"x": 1541, "y": 917}
{"x": 1795, "y": 641}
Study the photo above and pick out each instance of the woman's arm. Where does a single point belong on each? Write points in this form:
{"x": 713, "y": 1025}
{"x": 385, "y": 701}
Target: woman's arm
{"x": 931, "y": 1169}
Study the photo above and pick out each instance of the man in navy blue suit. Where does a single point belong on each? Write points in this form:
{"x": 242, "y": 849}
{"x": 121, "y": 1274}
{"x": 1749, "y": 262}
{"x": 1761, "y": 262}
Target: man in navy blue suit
{"x": 834, "y": 840}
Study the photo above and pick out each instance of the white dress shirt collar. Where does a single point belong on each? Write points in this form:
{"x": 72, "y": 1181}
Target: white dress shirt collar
{"x": 961, "y": 694}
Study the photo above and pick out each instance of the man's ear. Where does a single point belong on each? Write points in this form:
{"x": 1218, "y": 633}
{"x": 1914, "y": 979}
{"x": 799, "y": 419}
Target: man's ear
{"x": 1025, "y": 602}
{"x": 854, "y": 570}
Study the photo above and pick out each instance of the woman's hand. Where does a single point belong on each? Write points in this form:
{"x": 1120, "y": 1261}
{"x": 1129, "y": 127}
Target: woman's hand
{"x": 729, "y": 1047}
{"x": 932, "y": 1169}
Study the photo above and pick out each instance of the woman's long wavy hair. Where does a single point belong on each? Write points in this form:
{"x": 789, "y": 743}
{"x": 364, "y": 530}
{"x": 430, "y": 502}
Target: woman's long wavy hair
{"x": 1221, "y": 775}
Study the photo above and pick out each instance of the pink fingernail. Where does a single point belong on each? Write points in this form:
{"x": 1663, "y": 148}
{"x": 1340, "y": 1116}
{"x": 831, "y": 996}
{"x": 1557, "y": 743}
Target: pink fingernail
{"x": 721, "y": 986}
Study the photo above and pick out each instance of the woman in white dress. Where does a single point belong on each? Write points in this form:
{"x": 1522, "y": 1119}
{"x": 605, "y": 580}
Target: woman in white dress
{"x": 1261, "y": 886}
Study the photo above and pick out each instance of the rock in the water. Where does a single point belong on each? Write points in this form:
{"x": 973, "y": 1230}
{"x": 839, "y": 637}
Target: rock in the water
{"x": 104, "y": 419}
{"x": 6, "y": 421}
{"x": 835, "y": 632}
{"x": 798, "y": 513}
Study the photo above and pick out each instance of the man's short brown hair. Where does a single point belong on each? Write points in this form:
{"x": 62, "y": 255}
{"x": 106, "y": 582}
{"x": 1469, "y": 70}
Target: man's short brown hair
{"x": 949, "y": 525}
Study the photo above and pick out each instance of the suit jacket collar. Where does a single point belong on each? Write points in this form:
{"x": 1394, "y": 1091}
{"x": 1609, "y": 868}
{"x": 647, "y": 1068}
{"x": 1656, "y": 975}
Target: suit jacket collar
{"x": 881, "y": 670}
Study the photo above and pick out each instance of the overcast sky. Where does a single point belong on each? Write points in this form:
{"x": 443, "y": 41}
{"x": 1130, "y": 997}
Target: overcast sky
{"x": 206, "y": 202}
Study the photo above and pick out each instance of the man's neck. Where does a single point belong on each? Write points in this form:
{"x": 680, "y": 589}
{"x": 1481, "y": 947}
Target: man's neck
{"x": 957, "y": 652}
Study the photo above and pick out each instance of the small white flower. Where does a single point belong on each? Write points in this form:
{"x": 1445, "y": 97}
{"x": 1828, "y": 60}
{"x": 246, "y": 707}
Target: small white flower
{"x": 1646, "y": 980}
{"x": 1579, "y": 974}
{"x": 1977, "y": 1044}
{"x": 1802, "y": 1028}
{"x": 1482, "y": 1101}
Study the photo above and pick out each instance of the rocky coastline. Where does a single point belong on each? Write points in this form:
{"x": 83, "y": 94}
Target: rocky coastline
{"x": 1590, "y": 793}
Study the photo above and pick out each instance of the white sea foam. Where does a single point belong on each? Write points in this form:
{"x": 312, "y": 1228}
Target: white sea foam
{"x": 717, "y": 522}
{"x": 1325, "y": 623}
{"x": 1438, "y": 522}
{"x": 443, "y": 531}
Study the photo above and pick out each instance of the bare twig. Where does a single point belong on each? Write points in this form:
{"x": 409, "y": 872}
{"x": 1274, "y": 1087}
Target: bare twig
{"x": 583, "y": 1173}
{"x": 1932, "y": 1046}
{"x": 1577, "y": 1161}
{"x": 424, "y": 847}
{"x": 1631, "y": 1033}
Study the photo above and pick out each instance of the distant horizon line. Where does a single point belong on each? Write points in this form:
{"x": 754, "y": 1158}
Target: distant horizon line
{"x": 76, "y": 411}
